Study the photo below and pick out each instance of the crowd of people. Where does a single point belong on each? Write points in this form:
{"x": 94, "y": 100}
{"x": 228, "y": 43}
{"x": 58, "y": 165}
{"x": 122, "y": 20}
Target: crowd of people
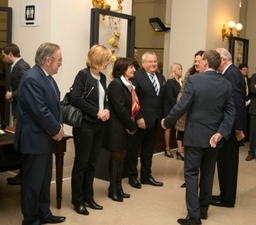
{"x": 211, "y": 110}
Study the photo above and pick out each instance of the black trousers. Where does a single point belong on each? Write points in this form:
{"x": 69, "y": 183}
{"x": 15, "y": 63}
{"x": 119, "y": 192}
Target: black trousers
{"x": 35, "y": 187}
{"x": 87, "y": 139}
{"x": 145, "y": 140}
{"x": 203, "y": 160}
{"x": 252, "y": 137}
{"x": 227, "y": 163}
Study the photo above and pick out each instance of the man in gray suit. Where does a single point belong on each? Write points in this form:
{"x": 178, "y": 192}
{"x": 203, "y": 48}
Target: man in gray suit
{"x": 208, "y": 101}
{"x": 11, "y": 55}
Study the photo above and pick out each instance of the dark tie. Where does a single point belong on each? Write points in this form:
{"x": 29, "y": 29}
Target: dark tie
{"x": 52, "y": 84}
{"x": 154, "y": 83}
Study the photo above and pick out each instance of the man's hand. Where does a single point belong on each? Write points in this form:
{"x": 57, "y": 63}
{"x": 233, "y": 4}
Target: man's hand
{"x": 141, "y": 123}
{"x": 239, "y": 135}
{"x": 215, "y": 139}
{"x": 8, "y": 97}
{"x": 162, "y": 123}
{"x": 60, "y": 135}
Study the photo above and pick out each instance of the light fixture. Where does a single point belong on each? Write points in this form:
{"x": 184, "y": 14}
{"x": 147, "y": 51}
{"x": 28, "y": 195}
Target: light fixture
{"x": 158, "y": 25}
{"x": 229, "y": 33}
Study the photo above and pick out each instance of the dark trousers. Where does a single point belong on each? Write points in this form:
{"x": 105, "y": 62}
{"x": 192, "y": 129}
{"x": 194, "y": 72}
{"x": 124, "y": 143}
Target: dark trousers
{"x": 227, "y": 163}
{"x": 252, "y": 137}
{"x": 145, "y": 140}
{"x": 204, "y": 160}
{"x": 87, "y": 139}
{"x": 35, "y": 187}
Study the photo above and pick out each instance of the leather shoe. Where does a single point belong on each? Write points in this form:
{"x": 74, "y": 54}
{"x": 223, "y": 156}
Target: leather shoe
{"x": 80, "y": 209}
{"x": 152, "y": 181}
{"x": 216, "y": 197}
{"x": 189, "y": 221}
{"x": 219, "y": 203}
{"x": 134, "y": 183}
{"x": 249, "y": 158}
{"x": 92, "y": 204}
{"x": 53, "y": 219}
{"x": 204, "y": 216}
{"x": 183, "y": 185}
{"x": 14, "y": 180}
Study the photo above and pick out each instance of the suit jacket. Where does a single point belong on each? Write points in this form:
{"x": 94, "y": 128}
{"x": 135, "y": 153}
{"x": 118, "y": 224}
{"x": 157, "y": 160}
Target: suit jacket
{"x": 150, "y": 104}
{"x": 19, "y": 69}
{"x": 120, "y": 105}
{"x": 172, "y": 89}
{"x": 234, "y": 75}
{"x": 252, "y": 107}
{"x": 39, "y": 113}
{"x": 207, "y": 99}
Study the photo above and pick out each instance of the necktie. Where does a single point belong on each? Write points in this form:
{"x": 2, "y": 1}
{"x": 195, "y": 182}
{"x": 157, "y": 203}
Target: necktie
{"x": 52, "y": 84}
{"x": 154, "y": 83}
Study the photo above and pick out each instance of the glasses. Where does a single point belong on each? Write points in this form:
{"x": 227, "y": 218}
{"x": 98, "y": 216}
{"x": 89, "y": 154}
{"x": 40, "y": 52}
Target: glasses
{"x": 150, "y": 61}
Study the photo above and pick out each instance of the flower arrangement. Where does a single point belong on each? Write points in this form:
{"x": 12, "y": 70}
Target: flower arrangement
{"x": 114, "y": 33}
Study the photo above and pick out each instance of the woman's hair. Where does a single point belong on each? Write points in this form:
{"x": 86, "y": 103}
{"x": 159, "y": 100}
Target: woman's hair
{"x": 121, "y": 65}
{"x": 172, "y": 69}
{"x": 45, "y": 50}
{"x": 192, "y": 69}
{"x": 97, "y": 55}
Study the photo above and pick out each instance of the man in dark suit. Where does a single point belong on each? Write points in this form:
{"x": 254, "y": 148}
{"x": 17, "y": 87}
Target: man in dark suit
{"x": 11, "y": 55}
{"x": 228, "y": 156}
{"x": 252, "y": 113}
{"x": 149, "y": 86}
{"x": 207, "y": 99}
{"x": 39, "y": 124}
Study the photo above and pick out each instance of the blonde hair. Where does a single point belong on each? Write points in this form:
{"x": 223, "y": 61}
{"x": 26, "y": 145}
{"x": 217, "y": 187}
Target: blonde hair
{"x": 172, "y": 69}
{"x": 97, "y": 55}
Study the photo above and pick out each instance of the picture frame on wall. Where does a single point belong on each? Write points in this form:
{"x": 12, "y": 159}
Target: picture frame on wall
{"x": 238, "y": 48}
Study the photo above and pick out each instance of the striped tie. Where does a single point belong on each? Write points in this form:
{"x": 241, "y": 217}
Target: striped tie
{"x": 154, "y": 83}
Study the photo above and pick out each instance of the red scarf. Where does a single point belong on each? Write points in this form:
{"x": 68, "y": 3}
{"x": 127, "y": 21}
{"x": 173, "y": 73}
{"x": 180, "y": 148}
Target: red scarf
{"x": 135, "y": 104}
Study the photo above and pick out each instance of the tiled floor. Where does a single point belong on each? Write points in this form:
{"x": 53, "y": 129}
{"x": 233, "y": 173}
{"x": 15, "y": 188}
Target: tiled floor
{"x": 149, "y": 205}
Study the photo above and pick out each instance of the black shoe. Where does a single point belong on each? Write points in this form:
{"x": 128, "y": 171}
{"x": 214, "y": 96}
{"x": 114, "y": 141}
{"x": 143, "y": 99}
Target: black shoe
{"x": 216, "y": 197}
{"x": 92, "y": 204}
{"x": 219, "y": 203}
{"x": 183, "y": 185}
{"x": 151, "y": 181}
{"x": 53, "y": 219}
{"x": 189, "y": 221}
{"x": 134, "y": 183}
{"x": 14, "y": 180}
{"x": 204, "y": 216}
{"x": 178, "y": 155}
{"x": 167, "y": 155}
{"x": 80, "y": 209}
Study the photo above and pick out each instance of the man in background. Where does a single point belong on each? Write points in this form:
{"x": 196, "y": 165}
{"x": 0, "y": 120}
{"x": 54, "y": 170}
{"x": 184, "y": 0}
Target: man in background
{"x": 206, "y": 124}
{"x": 136, "y": 63}
{"x": 228, "y": 156}
{"x": 39, "y": 125}
{"x": 11, "y": 55}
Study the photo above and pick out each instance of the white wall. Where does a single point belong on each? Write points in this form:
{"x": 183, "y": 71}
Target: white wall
{"x": 196, "y": 25}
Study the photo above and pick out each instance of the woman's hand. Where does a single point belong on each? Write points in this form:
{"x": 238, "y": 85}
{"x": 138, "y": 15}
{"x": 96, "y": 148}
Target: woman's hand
{"x": 104, "y": 115}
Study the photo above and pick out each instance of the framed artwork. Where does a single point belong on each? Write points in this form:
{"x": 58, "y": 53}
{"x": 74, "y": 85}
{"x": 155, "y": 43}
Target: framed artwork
{"x": 238, "y": 47}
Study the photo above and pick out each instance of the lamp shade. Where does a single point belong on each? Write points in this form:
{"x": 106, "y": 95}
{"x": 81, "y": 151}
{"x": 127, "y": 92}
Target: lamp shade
{"x": 239, "y": 26}
{"x": 231, "y": 24}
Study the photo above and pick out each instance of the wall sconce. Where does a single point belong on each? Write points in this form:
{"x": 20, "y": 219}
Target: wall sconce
{"x": 229, "y": 33}
{"x": 158, "y": 25}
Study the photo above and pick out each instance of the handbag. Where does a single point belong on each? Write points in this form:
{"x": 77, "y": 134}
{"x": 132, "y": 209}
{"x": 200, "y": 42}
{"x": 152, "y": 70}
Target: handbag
{"x": 71, "y": 115}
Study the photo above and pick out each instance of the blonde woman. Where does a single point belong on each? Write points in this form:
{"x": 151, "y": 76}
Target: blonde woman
{"x": 172, "y": 89}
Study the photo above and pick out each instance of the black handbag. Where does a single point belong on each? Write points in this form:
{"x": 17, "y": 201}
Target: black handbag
{"x": 71, "y": 115}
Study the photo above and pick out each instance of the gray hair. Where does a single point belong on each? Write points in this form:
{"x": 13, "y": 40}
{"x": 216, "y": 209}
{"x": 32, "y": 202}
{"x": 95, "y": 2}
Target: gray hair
{"x": 45, "y": 50}
{"x": 147, "y": 53}
{"x": 224, "y": 53}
